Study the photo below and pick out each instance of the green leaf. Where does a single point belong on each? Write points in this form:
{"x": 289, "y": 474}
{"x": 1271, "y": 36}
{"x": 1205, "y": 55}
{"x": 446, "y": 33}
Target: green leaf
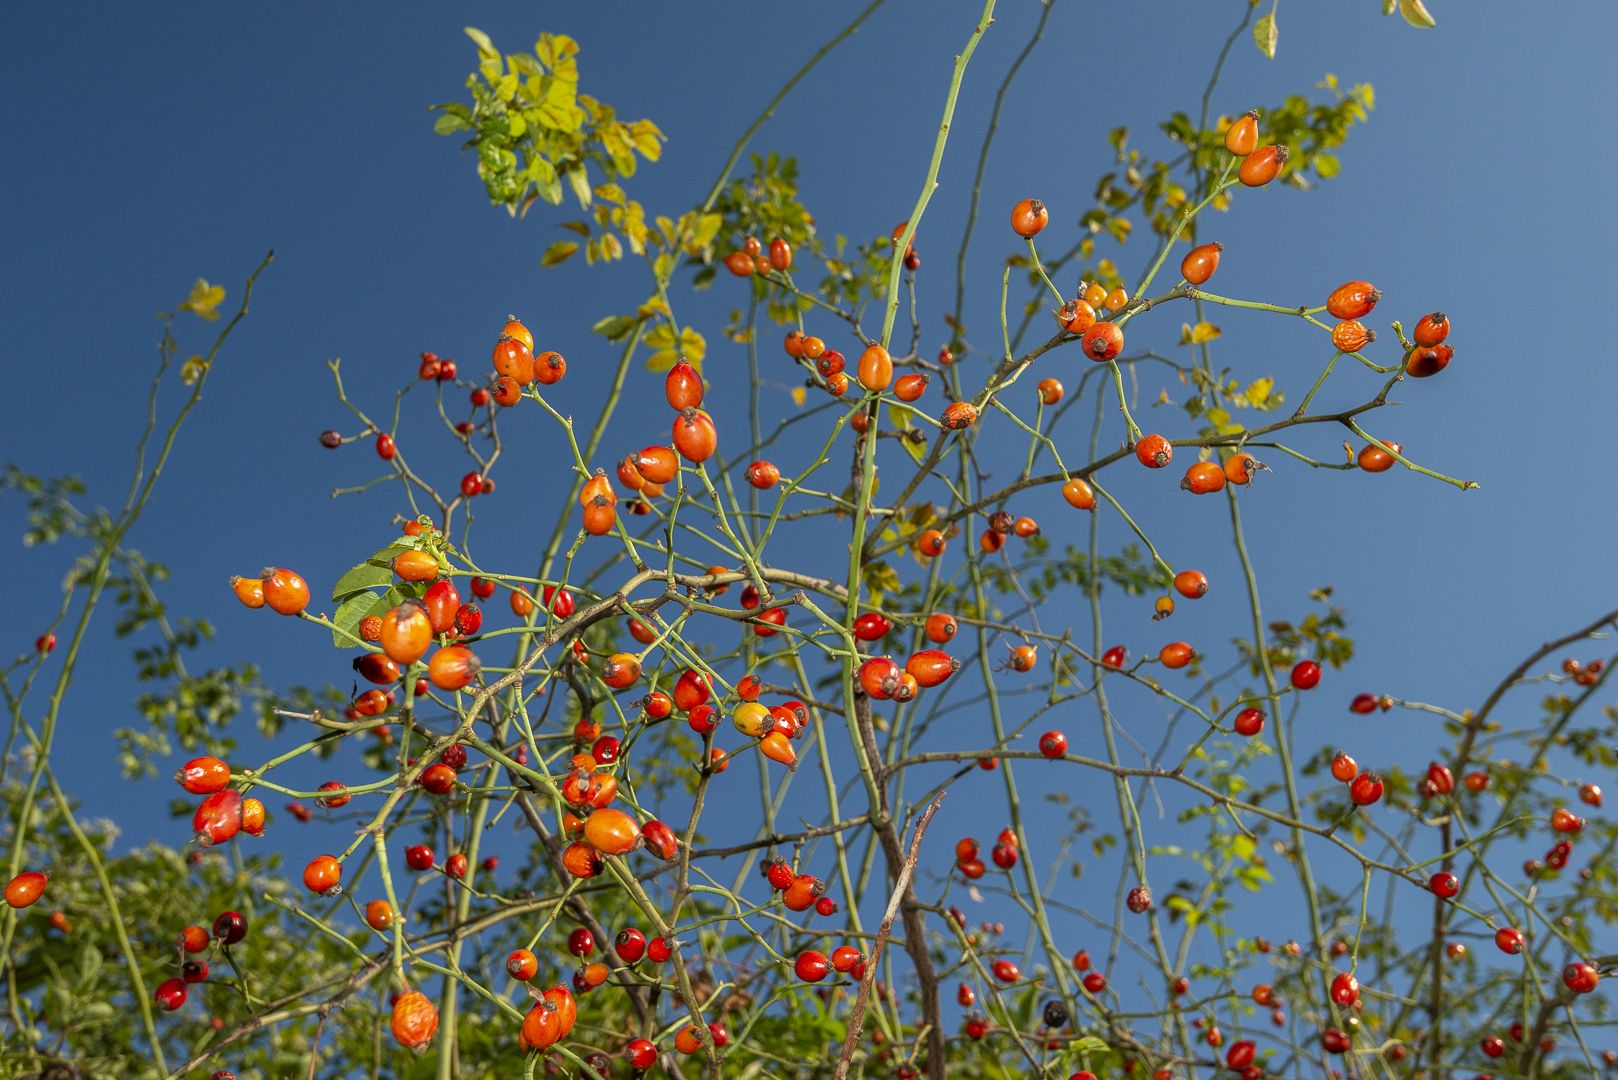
{"x": 558, "y": 252}
{"x": 1266, "y": 34}
{"x": 614, "y": 327}
{"x": 1416, "y": 14}
{"x": 89, "y": 966}
{"x": 1327, "y": 166}
{"x": 370, "y": 574}
{"x": 350, "y": 612}
{"x": 448, "y": 124}
{"x": 1192, "y": 913}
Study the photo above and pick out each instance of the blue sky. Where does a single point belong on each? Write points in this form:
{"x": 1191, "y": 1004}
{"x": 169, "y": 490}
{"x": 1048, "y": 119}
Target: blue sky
{"x": 146, "y": 150}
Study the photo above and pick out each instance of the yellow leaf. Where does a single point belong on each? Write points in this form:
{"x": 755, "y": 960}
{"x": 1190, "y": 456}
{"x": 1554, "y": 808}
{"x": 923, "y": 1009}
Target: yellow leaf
{"x": 193, "y": 369}
{"x": 1204, "y": 331}
{"x": 1258, "y": 391}
{"x": 799, "y": 396}
{"x": 204, "y": 300}
{"x": 694, "y": 346}
{"x": 481, "y": 40}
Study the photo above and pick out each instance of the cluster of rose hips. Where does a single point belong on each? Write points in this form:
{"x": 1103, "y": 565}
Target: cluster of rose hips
{"x": 1364, "y": 788}
{"x": 799, "y": 892}
{"x": 1583, "y": 674}
{"x": 751, "y": 259}
{"x": 1004, "y": 853}
{"x": 515, "y": 367}
{"x": 230, "y": 928}
{"x": 773, "y": 726}
{"x": 881, "y": 678}
{"x": 406, "y": 633}
{"x": 874, "y": 372}
{"x": 224, "y": 812}
{"x": 812, "y": 965}
{"x": 550, "y": 1019}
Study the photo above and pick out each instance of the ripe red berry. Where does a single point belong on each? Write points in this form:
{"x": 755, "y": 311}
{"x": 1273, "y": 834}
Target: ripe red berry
{"x": 218, "y": 819}
{"x": 230, "y": 927}
{"x": 763, "y": 475}
{"x": 581, "y": 942}
{"x": 1343, "y": 767}
{"x": 1176, "y": 655}
{"x": 1191, "y": 584}
{"x": 1306, "y": 674}
{"x": 1566, "y": 821}
{"x": 171, "y": 994}
{"x": 1509, "y": 940}
{"x": 203, "y": 775}
{"x": 641, "y": 1054}
{"x": 1240, "y": 1055}
{"x": 1444, "y": 884}
{"x": 1053, "y": 744}
{"x": 1241, "y": 138}
{"x": 811, "y": 966}
{"x": 1154, "y": 451}
{"x": 630, "y": 945}
{"x": 1262, "y": 165}
{"x": 323, "y": 875}
{"x": 1441, "y": 779}
{"x": 1431, "y": 330}
{"x": 1200, "y": 263}
{"x": 1365, "y": 789}
{"x": 1249, "y": 722}
{"x": 1580, "y": 977}
{"x": 26, "y": 888}
{"x": 1102, "y": 341}
{"x": 1028, "y": 217}
{"x": 438, "y": 778}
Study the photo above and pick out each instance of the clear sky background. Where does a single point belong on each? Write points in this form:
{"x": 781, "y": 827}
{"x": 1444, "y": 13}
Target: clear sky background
{"x": 143, "y": 149}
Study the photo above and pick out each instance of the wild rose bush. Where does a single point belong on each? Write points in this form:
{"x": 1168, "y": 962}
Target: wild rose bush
{"x": 658, "y": 799}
